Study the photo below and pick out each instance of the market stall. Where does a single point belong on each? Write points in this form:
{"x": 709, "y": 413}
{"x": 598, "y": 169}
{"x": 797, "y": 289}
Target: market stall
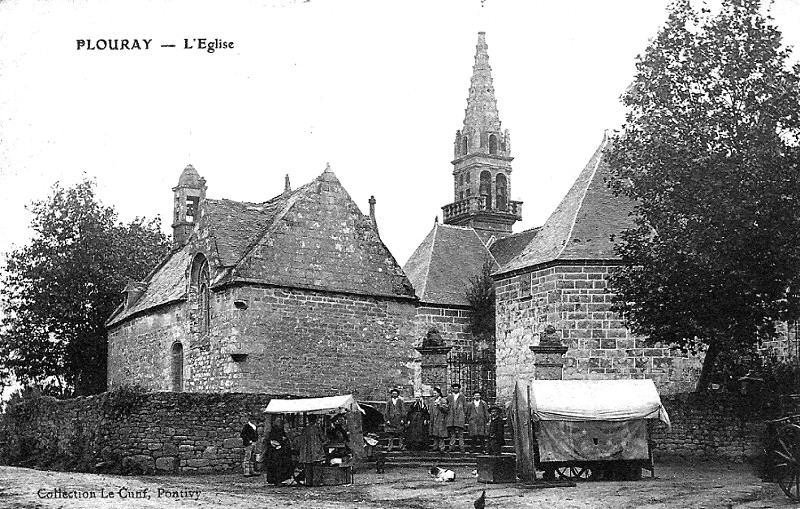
{"x": 582, "y": 429}
{"x": 326, "y": 435}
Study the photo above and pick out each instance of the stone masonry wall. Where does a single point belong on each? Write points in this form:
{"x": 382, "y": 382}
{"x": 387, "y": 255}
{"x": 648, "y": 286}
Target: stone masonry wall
{"x": 452, "y": 322}
{"x": 711, "y": 426}
{"x": 156, "y": 432}
{"x": 302, "y": 342}
{"x": 574, "y": 299}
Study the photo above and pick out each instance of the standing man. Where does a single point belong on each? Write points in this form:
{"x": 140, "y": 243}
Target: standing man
{"x": 496, "y": 432}
{"x": 456, "y": 417}
{"x": 249, "y": 436}
{"x": 478, "y": 420}
{"x": 395, "y": 416}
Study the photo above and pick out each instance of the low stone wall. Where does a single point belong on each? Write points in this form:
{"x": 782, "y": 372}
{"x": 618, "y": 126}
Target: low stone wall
{"x": 713, "y": 426}
{"x": 129, "y": 432}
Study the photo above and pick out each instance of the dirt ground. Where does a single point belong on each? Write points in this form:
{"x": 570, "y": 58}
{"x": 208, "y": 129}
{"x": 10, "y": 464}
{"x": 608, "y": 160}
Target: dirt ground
{"x": 676, "y": 485}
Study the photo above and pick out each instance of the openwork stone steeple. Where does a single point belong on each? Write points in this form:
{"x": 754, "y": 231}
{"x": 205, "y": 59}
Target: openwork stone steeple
{"x": 482, "y": 160}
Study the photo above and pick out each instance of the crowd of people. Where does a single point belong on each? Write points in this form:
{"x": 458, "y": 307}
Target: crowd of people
{"x": 440, "y": 423}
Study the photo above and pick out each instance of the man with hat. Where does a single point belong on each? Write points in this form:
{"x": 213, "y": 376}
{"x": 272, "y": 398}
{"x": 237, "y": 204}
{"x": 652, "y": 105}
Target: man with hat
{"x": 497, "y": 437}
{"x": 456, "y": 417}
{"x": 478, "y": 421}
{"x": 395, "y": 416}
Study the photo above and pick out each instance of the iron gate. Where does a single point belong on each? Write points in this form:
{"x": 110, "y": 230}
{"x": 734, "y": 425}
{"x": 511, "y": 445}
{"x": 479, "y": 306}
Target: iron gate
{"x": 474, "y": 371}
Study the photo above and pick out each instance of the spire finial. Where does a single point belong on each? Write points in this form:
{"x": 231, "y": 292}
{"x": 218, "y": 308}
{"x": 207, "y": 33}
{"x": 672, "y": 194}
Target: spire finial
{"x": 327, "y": 167}
{"x": 436, "y": 220}
{"x": 287, "y": 186}
{"x": 481, "y": 103}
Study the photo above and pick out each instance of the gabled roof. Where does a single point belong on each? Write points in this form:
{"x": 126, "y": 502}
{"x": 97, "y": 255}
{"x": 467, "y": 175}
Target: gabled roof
{"x": 507, "y": 248}
{"x": 234, "y": 225}
{"x": 582, "y": 225}
{"x": 444, "y": 263}
{"x": 314, "y": 237}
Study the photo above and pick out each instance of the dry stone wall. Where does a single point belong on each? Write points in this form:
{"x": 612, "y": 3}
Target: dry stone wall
{"x": 144, "y": 433}
{"x": 712, "y": 426}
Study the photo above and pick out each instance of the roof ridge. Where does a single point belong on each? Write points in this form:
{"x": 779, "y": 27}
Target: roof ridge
{"x": 291, "y": 199}
{"x": 430, "y": 261}
{"x": 583, "y": 197}
{"x": 488, "y": 251}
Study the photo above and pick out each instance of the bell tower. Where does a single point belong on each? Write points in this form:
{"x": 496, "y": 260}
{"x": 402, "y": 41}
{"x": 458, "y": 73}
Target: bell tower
{"x": 189, "y": 194}
{"x": 482, "y": 161}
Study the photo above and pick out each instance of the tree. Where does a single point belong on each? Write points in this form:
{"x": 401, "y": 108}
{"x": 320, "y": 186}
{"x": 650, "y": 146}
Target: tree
{"x": 709, "y": 153}
{"x": 59, "y": 290}
{"x": 481, "y": 297}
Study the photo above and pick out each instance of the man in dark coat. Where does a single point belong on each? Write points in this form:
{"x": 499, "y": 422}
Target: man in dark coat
{"x": 456, "y": 418}
{"x": 395, "y": 416}
{"x": 497, "y": 438}
{"x": 477, "y": 414}
{"x": 249, "y": 436}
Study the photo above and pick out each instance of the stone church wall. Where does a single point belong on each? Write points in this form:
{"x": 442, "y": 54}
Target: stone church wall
{"x": 574, "y": 299}
{"x": 269, "y": 339}
{"x": 451, "y": 321}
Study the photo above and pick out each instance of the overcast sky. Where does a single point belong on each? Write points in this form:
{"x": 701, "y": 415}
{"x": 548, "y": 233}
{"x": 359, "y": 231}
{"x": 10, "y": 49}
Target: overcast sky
{"x": 377, "y": 89}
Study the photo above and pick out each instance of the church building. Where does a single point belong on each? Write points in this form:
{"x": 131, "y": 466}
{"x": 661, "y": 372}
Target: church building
{"x": 295, "y": 295}
{"x": 553, "y": 307}
{"x": 298, "y": 294}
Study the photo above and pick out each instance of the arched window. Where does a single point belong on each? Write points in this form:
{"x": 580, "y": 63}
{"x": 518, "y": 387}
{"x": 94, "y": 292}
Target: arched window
{"x": 464, "y": 145}
{"x": 201, "y": 288}
{"x": 485, "y": 189}
{"x": 501, "y": 189}
{"x": 177, "y": 367}
{"x": 492, "y": 144}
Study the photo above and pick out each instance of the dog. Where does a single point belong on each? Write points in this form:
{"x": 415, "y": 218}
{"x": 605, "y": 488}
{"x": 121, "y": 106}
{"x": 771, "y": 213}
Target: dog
{"x": 443, "y": 474}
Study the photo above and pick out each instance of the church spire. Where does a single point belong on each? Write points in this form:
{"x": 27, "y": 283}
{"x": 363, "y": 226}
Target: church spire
{"x": 481, "y": 104}
{"x": 482, "y": 160}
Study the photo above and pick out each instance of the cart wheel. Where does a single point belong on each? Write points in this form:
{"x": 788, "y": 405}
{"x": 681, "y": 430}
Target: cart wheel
{"x": 574, "y": 473}
{"x": 786, "y": 457}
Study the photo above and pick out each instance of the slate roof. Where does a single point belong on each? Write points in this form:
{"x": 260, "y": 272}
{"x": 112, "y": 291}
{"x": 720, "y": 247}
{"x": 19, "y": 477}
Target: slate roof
{"x": 166, "y": 284}
{"x": 314, "y": 237}
{"x": 444, "y": 263}
{"x": 235, "y": 225}
{"x": 507, "y": 248}
{"x": 582, "y": 225}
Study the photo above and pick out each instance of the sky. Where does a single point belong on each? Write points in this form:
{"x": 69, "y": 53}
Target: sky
{"x": 375, "y": 88}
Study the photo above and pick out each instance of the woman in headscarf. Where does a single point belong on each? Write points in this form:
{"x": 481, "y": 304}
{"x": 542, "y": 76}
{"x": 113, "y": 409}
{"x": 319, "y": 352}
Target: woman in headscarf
{"x": 417, "y": 432}
{"x": 280, "y": 466}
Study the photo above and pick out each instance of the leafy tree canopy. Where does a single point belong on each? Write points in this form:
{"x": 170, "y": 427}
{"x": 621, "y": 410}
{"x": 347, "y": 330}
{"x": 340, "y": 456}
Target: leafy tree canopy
{"x": 709, "y": 153}
{"x": 481, "y": 296}
{"x": 58, "y": 291}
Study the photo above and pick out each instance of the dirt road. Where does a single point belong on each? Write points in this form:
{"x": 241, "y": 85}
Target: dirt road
{"x": 677, "y": 485}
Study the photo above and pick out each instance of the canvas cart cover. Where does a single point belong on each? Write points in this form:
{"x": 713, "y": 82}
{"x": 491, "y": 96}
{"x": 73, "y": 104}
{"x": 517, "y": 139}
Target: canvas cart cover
{"x": 595, "y": 400}
{"x": 583, "y": 420}
{"x": 329, "y": 405}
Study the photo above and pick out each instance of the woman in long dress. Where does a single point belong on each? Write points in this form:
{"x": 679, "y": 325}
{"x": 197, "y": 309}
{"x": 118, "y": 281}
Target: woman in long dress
{"x": 438, "y": 412}
{"x": 417, "y": 431}
{"x": 280, "y": 466}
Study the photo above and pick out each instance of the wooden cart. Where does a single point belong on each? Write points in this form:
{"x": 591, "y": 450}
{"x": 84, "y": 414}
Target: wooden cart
{"x": 783, "y": 454}
{"x": 585, "y": 429}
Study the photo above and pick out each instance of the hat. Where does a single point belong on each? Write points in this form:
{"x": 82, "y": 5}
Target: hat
{"x": 494, "y": 408}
